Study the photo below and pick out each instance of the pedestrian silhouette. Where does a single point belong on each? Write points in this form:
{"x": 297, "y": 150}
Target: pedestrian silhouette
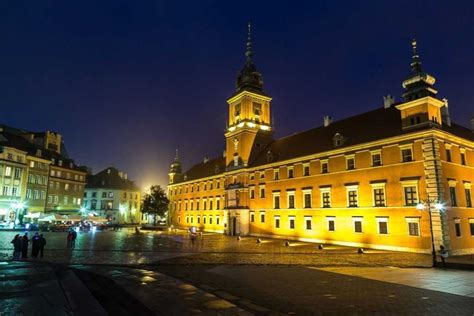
{"x": 24, "y": 246}
{"x": 42, "y": 243}
{"x": 17, "y": 243}
{"x": 35, "y": 245}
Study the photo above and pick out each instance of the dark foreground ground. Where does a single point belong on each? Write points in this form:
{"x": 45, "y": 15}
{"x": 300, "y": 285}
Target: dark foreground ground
{"x": 159, "y": 274}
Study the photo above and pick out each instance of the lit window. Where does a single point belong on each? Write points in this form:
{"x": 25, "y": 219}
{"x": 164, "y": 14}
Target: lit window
{"x": 8, "y": 171}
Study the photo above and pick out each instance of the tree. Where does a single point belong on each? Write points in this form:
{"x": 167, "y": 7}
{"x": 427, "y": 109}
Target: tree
{"x": 155, "y": 202}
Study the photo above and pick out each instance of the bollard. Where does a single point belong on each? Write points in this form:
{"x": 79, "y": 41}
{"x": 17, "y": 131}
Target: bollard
{"x": 320, "y": 247}
{"x": 287, "y": 244}
{"x": 360, "y": 250}
{"x": 259, "y": 240}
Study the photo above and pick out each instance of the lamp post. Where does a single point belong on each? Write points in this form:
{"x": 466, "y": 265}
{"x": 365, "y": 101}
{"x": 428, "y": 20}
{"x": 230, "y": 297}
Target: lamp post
{"x": 421, "y": 206}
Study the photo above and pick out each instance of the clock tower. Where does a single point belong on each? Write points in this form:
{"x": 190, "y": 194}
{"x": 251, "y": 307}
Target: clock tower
{"x": 249, "y": 124}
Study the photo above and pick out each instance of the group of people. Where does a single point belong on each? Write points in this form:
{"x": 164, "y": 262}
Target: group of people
{"x": 20, "y": 246}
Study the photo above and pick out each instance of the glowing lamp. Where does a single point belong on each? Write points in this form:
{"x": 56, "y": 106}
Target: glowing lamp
{"x": 420, "y": 206}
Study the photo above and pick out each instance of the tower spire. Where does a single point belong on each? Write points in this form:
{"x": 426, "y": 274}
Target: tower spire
{"x": 248, "y": 52}
{"x": 418, "y": 84}
{"x": 176, "y": 157}
{"x": 416, "y": 62}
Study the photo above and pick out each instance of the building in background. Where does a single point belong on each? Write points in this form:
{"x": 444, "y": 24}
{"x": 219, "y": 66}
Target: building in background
{"x": 37, "y": 175}
{"x": 111, "y": 194}
{"x": 398, "y": 177}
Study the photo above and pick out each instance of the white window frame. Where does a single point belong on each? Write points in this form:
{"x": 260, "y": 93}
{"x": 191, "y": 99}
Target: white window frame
{"x": 310, "y": 193}
{"x": 352, "y": 188}
{"x": 306, "y": 218}
{"x": 262, "y": 215}
{"x": 276, "y": 172}
{"x": 410, "y": 183}
{"x": 275, "y": 194}
{"x": 275, "y": 219}
{"x": 372, "y": 154}
{"x": 358, "y": 219}
{"x": 348, "y": 157}
{"x": 252, "y": 191}
{"x": 379, "y": 185}
{"x": 288, "y": 168}
{"x": 306, "y": 165}
{"x": 323, "y": 161}
{"x": 325, "y": 190}
{"x": 291, "y": 218}
{"x": 252, "y": 217}
{"x": 261, "y": 188}
{"x": 413, "y": 220}
{"x": 382, "y": 220}
{"x": 329, "y": 219}
{"x": 288, "y": 194}
{"x": 404, "y": 147}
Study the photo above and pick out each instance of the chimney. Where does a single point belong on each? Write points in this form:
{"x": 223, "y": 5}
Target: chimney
{"x": 327, "y": 120}
{"x": 388, "y": 101}
{"x": 206, "y": 159}
{"x": 472, "y": 124}
{"x": 445, "y": 113}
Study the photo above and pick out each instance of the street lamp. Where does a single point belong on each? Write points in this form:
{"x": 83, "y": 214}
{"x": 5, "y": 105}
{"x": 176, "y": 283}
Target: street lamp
{"x": 439, "y": 206}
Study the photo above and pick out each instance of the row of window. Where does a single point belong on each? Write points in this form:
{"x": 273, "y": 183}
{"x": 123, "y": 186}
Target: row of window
{"x": 109, "y": 194}
{"x": 38, "y": 165}
{"x": 11, "y": 191}
{"x": 37, "y": 179}
{"x": 58, "y": 185}
{"x": 54, "y": 199}
{"x": 107, "y": 205}
{"x": 17, "y": 158}
{"x": 462, "y": 155}
{"x": 35, "y": 194}
{"x": 59, "y": 174}
{"x": 8, "y": 171}
{"x": 196, "y": 187}
{"x": 205, "y": 219}
{"x": 177, "y": 206}
{"x": 413, "y": 223}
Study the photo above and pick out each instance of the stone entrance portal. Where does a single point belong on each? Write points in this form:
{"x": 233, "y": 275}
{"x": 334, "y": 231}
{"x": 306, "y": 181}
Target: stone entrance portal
{"x": 237, "y": 222}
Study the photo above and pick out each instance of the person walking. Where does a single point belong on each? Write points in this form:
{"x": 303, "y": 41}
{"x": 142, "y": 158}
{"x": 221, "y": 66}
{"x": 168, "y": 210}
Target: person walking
{"x": 69, "y": 239}
{"x": 16, "y": 247}
{"x": 73, "y": 238}
{"x": 24, "y": 246}
{"x": 41, "y": 244}
{"x": 444, "y": 254}
{"x": 35, "y": 245}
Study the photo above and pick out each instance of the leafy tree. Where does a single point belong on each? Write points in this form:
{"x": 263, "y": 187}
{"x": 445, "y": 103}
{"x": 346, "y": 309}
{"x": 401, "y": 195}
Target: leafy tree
{"x": 155, "y": 202}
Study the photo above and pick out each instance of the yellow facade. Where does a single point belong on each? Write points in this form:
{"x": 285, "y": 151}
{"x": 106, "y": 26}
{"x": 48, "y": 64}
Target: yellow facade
{"x": 372, "y": 191}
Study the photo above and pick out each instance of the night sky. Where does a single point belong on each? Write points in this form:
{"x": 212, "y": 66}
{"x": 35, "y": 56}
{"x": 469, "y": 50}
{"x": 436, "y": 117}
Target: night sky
{"x": 127, "y": 82}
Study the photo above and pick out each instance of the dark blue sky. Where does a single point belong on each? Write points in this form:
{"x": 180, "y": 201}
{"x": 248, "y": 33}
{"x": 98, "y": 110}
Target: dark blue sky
{"x": 127, "y": 82}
